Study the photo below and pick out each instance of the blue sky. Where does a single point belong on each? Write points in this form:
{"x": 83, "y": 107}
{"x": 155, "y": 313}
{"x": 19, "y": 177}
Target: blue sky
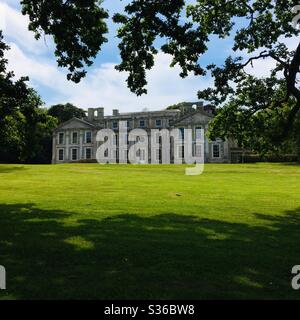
{"x": 104, "y": 86}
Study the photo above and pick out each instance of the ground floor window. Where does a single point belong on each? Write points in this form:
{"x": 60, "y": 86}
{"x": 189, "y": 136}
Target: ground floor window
{"x": 88, "y": 153}
{"x": 216, "y": 151}
{"x": 198, "y": 150}
{"x": 61, "y": 154}
{"x": 180, "y": 152}
{"x": 74, "y": 154}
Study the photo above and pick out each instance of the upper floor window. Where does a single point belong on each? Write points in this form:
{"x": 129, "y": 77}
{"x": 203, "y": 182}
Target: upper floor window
{"x": 158, "y": 123}
{"x": 198, "y": 133}
{"x": 88, "y": 137}
{"x": 75, "y": 137}
{"x": 142, "y": 123}
{"x": 61, "y": 138}
{"x": 181, "y": 134}
{"x": 216, "y": 151}
{"x": 115, "y": 125}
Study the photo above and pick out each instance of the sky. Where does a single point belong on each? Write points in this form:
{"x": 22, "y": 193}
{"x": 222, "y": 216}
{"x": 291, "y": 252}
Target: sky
{"x": 103, "y": 86}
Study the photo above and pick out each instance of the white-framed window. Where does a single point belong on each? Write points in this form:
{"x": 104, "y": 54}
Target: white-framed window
{"x": 116, "y": 140}
{"x": 181, "y": 134}
{"x": 158, "y": 154}
{"x": 216, "y": 151}
{"x": 74, "y": 137}
{"x": 142, "y": 124}
{"x": 74, "y": 154}
{"x": 158, "y": 138}
{"x": 198, "y": 133}
{"x": 115, "y": 124}
{"x": 141, "y": 154}
{"x": 181, "y": 152}
{"x": 198, "y": 150}
{"x": 61, "y": 138}
{"x": 158, "y": 123}
{"x": 88, "y": 153}
{"x": 61, "y": 154}
{"x": 88, "y": 137}
{"x": 128, "y": 123}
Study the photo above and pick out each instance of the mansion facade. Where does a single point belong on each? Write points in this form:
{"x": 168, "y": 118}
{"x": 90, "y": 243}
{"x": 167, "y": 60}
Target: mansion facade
{"x": 75, "y": 140}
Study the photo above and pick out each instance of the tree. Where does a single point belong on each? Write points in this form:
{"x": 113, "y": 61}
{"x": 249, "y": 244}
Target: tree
{"x": 25, "y": 128}
{"x": 65, "y": 112}
{"x": 12, "y": 93}
{"x": 77, "y": 26}
{"x": 253, "y": 107}
{"x": 258, "y": 28}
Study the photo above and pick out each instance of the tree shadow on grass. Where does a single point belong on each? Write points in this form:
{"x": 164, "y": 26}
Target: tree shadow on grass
{"x": 292, "y": 164}
{"x": 128, "y": 256}
{"x": 9, "y": 169}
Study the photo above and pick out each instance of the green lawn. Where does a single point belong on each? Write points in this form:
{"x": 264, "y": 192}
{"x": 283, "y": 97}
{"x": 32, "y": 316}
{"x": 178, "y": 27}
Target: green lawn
{"x": 129, "y": 232}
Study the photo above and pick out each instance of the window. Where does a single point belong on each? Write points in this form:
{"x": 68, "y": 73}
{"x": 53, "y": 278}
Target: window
{"x": 75, "y": 137}
{"x": 181, "y": 152}
{"x": 142, "y": 123}
{"x": 198, "y": 151}
{"x": 141, "y": 154}
{"x": 158, "y": 138}
{"x": 198, "y": 134}
{"x": 181, "y": 134}
{"x": 74, "y": 154}
{"x": 158, "y": 155}
{"x": 157, "y": 123}
{"x": 115, "y": 125}
{"x": 128, "y": 123}
{"x": 88, "y": 153}
{"x": 88, "y": 137}
{"x": 115, "y": 140}
{"x": 61, "y": 138}
{"x": 61, "y": 155}
{"x": 216, "y": 151}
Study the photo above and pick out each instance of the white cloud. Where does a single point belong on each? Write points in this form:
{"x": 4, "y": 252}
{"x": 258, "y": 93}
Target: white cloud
{"x": 263, "y": 67}
{"x": 107, "y": 87}
{"x": 104, "y": 86}
{"x": 15, "y": 28}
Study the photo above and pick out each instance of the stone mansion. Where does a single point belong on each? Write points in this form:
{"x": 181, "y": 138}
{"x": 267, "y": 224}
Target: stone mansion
{"x": 75, "y": 140}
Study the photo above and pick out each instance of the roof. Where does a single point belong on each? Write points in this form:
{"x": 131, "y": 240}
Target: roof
{"x": 143, "y": 113}
{"x": 75, "y": 119}
{"x": 188, "y": 115}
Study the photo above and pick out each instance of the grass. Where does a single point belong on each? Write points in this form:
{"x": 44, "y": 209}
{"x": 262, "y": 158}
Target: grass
{"x": 85, "y": 231}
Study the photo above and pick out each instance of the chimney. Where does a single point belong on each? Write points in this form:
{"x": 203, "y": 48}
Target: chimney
{"x": 100, "y": 113}
{"x": 200, "y": 106}
{"x": 116, "y": 112}
{"x": 91, "y": 114}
